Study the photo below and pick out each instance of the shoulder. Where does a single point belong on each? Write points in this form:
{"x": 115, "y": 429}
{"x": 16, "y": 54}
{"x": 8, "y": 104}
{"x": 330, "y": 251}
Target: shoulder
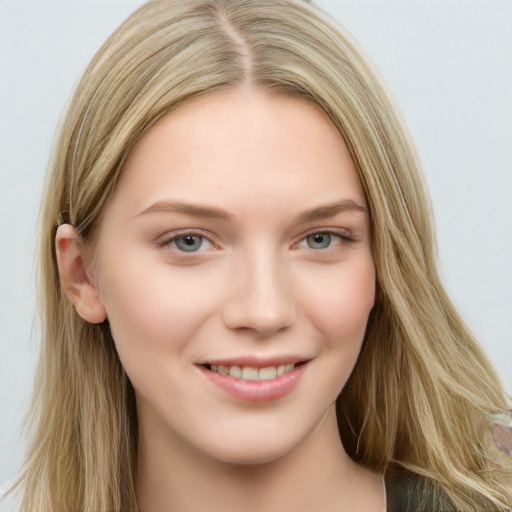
{"x": 409, "y": 492}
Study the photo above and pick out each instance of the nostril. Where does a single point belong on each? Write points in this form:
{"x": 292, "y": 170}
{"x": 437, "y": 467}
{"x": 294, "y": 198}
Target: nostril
{"x": 263, "y": 308}
{"x": 251, "y": 320}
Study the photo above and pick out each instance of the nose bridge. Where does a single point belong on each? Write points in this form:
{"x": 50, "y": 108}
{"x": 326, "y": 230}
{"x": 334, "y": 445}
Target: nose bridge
{"x": 262, "y": 298}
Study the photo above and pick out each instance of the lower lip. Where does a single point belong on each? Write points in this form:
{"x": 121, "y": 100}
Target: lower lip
{"x": 257, "y": 390}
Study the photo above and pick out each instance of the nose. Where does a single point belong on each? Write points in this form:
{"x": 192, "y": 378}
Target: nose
{"x": 262, "y": 298}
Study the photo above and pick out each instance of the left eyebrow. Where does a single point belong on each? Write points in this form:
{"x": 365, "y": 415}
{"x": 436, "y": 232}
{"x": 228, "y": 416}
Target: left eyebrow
{"x": 329, "y": 210}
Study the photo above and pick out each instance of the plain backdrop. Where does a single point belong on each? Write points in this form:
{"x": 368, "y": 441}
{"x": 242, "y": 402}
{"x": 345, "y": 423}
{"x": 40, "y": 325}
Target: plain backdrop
{"x": 449, "y": 62}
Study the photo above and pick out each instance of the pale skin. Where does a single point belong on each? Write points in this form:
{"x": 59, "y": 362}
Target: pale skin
{"x": 238, "y": 230}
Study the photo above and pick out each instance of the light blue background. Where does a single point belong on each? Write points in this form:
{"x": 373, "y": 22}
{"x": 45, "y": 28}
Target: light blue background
{"x": 449, "y": 63}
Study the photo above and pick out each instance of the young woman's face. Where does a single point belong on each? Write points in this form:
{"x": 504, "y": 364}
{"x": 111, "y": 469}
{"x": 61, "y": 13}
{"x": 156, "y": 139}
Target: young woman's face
{"x": 237, "y": 247}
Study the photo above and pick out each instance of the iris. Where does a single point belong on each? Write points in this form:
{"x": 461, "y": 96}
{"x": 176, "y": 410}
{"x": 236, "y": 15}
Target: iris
{"x": 188, "y": 243}
{"x": 319, "y": 240}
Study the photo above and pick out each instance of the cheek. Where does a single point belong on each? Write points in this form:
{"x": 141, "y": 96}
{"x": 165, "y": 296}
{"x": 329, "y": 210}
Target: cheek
{"x": 340, "y": 302}
{"x": 153, "y": 311}
{"x": 337, "y": 307}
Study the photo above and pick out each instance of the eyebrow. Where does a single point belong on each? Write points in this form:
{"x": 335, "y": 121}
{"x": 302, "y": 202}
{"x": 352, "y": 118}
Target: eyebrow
{"x": 204, "y": 210}
{"x": 196, "y": 210}
{"x": 329, "y": 210}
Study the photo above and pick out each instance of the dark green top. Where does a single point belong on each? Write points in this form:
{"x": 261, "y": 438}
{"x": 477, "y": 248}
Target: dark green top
{"x": 408, "y": 492}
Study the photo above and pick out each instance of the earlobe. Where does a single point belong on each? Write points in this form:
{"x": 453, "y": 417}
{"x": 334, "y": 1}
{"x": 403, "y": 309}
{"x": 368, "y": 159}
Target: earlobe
{"x": 75, "y": 276}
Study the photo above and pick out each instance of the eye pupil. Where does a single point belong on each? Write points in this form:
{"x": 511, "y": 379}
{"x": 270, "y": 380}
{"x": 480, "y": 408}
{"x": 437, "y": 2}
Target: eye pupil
{"x": 319, "y": 240}
{"x": 189, "y": 240}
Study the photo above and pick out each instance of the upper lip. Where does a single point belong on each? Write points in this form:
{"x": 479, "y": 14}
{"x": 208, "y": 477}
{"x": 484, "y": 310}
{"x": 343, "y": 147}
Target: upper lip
{"x": 256, "y": 361}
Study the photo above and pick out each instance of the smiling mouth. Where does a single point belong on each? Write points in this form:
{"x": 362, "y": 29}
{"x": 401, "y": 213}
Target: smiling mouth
{"x": 256, "y": 381}
{"x": 252, "y": 373}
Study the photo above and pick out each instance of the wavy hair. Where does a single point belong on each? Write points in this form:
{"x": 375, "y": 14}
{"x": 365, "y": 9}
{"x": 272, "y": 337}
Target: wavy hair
{"x": 422, "y": 393}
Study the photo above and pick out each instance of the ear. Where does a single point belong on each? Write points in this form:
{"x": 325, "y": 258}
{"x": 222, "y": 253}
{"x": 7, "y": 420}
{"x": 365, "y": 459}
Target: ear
{"x": 77, "y": 279}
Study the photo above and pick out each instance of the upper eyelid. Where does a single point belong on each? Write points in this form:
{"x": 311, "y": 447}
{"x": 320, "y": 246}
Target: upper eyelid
{"x": 169, "y": 235}
{"x": 333, "y": 230}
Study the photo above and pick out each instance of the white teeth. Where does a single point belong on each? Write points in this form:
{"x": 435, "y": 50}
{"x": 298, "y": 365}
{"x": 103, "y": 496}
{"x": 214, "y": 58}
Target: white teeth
{"x": 235, "y": 371}
{"x": 251, "y": 372}
{"x": 268, "y": 373}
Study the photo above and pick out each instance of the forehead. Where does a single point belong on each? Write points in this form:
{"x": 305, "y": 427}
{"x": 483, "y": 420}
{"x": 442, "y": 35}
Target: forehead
{"x": 231, "y": 146}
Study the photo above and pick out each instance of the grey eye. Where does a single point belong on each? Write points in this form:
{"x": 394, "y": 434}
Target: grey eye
{"x": 319, "y": 240}
{"x": 188, "y": 243}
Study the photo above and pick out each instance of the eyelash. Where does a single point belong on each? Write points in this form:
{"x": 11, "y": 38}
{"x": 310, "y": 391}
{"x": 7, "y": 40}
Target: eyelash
{"x": 171, "y": 240}
{"x": 342, "y": 236}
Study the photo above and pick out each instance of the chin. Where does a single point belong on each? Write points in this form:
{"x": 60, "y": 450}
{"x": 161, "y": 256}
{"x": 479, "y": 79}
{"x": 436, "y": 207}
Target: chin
{"x": 257, "y": 446}
{"x": 252, "y": 454}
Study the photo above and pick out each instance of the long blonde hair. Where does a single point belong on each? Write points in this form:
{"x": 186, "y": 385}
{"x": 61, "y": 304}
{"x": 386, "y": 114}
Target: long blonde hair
{"x": 422, "y": 392}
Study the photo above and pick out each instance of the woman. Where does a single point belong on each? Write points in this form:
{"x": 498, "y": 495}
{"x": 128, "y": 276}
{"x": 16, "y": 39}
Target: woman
{"x": 240, "y": 288}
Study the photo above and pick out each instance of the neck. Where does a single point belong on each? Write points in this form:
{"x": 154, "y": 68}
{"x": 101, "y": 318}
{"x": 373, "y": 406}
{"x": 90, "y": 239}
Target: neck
{"x": 316, "y": 475}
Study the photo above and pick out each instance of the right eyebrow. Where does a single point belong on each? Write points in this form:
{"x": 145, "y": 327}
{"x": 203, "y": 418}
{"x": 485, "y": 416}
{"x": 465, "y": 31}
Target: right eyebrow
{"x": 194, "y": 209}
